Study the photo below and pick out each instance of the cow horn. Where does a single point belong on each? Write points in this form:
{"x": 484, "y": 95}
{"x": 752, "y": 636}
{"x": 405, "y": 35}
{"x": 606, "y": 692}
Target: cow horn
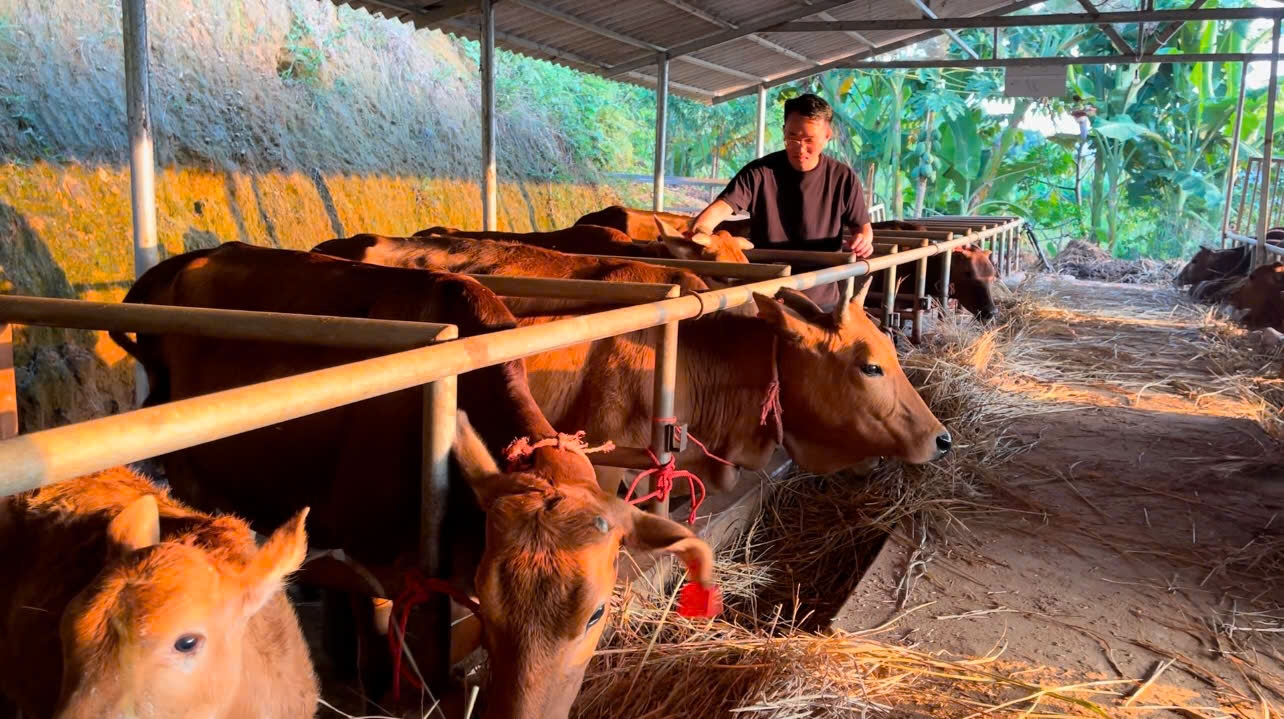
{"x": 862, "y": 289}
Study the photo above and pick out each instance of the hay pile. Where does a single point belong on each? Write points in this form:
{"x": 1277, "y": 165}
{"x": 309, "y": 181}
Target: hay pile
{"x": 1087, "y": 261}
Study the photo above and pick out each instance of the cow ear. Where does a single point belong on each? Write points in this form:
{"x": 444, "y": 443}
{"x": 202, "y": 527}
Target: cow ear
{"x": 658, "y": 534}
{"x": 800, "y": 303}
{"x": 281, "y": 555}
{"x": 475, "y": 461}
{"x": 682, "y": 248}
{"x": 137, "y": 526}
{"x": 784, "y": 320}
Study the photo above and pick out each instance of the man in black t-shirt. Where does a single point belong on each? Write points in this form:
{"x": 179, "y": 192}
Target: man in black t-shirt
{"x": 798, "y": 198}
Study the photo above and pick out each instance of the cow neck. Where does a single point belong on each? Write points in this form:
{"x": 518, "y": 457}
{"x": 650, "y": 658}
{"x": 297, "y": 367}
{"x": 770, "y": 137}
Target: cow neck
{"x": 732, "y": 362}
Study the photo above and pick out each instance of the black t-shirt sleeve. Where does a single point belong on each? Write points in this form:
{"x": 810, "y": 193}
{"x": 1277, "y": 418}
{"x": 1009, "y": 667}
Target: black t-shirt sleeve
{"x": 857, "y": 214}
{"x": 740, "y": 192}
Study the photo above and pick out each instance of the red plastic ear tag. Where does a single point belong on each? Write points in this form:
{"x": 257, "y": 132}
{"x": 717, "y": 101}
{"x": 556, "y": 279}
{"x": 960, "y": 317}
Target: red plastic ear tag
{"x": 696, "y": 600}
{"x": 700, "y": 602}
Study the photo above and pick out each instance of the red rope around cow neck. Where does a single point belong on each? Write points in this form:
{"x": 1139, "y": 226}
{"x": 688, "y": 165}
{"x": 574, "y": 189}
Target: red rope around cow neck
{"x": 665, "y": 475}
{"x": 417, "y": 590}
{"x": 771, "y": 406}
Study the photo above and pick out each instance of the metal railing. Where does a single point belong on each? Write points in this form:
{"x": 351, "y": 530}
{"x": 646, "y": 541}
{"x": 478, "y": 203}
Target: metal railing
{"x": 436, "y": 356}
{"x": 1252, "y": 242}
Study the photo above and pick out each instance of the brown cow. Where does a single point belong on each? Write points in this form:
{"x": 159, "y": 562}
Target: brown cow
{"x": 528, "y": 543}
{"x": 843, "y": 393}
{"x": 488, "y": 257}
{"x": 651, "y": 225}
{"x": 972, "y": 274}
{"x": 1262, "y": 297}
{"x": 119, "y": 601}
{"x": 638, "y": 224}
{"x": 1209, "y": 264}
{"x": 594, "y": 240}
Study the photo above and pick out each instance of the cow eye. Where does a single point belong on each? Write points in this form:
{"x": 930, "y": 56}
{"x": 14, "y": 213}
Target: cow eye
{"x": 871, "y": 370}
{"x": 188, "y": 643}
{"x": 597, "y": 616}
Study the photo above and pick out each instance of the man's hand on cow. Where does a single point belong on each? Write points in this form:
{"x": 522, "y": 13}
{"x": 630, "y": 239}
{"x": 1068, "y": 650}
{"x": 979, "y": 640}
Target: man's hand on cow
{"x": 860, "y": 244}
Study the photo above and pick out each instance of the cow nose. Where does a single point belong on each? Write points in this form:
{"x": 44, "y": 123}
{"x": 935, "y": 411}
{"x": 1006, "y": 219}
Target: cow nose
{"x": 943, "y": 443}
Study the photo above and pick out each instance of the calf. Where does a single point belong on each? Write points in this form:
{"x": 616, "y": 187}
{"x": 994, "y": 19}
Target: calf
{"x": 841, "y": 388}
{"x": 1261, "y": 297}
{"x": 118, "y": 601}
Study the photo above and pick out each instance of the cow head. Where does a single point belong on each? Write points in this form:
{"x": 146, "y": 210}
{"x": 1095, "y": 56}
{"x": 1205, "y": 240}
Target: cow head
{"x": 721, "y": 246}
{"x": 160, "y": 631}
{"x": 1260, "y": 296}
{"x": 843, "y": 393}
{"x": 1197, "y": 269}
{"x": 546, "y": 576}
{"x": 972, "y": 276}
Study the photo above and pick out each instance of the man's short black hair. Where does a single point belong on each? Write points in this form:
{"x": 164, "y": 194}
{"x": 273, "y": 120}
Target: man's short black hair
{"x": 811, "y": 107}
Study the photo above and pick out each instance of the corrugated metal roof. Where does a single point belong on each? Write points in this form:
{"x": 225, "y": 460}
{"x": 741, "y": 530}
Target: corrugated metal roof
{"x": 717, "y": 55}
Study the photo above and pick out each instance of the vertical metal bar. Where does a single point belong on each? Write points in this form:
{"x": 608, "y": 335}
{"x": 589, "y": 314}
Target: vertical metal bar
{"x": 440, "y": 406}
{"x": 666, "y": 378}
{"x": 142, "y": 163}
{"x": 8, "y": 385}
{"x": 661, "y": 127}
{"x": 889, "y": 292}
{"x": 1277, "y": 190}
{"x": 948, "y": 259}
{"x": 1268, "y": 150}
{"x": 760, "y": 148}
{"x": 490, "y": 180}
{"x": 1249, "y": 178}
{"x": 1234, "y": 151}
{"x": 920, "y": 297}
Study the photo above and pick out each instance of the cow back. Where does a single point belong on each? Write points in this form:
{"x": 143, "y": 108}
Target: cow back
{"x": 357, "y": 466}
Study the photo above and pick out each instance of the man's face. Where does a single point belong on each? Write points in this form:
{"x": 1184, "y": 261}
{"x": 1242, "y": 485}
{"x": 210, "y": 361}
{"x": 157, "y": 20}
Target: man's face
{"x": 805, "y": 139}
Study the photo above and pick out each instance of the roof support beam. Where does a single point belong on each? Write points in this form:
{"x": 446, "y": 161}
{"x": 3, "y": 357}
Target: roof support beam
{"x": 718, "y": 38}
{"x": 628, "y": 39}
{"x": 991, "y": 21}
{"x": 921, "y": 5}
{"x": 694, "y": 11}
{"x": 586, "y": 25}
{"x": 764, "y": 42}
{"x": 1115, "y": 38}
{"x": 728, "y": 25}
{"x": 648, "y": 80}
{"x": 853, "y": 35}
{"x": 1166, "y": 33}
{"x": 1063, "y": 61}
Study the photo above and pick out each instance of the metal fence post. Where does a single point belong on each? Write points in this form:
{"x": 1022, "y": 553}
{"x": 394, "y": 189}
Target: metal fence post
{"x": 947, "y": 258}
{"x": 1260, "y": 256}
{"x": 490, "y": 178}
{"x": 1234, "y": 151}
{"x": 661, "y": 128}
{"x": 440, "y": 406}
{"x": 889, "y": 292}
{"x": 8, "y": 385}
{"x": 142, "y": 163}
{"x": 920, "y": 296}
{"x": 662, "y": 405}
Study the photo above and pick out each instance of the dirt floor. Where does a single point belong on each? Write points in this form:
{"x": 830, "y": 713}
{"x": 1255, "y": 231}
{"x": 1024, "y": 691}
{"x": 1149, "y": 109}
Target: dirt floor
{"x": 1141, "y": 538}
